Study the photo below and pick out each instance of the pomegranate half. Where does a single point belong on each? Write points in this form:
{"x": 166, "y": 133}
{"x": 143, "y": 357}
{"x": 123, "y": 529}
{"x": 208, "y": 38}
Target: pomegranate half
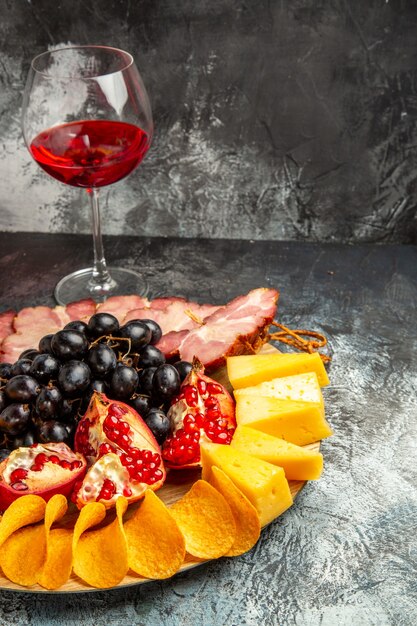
{"x": 43, "y": 469}
{"x": 203, "y": 411}
{"x": 123, "y": 455}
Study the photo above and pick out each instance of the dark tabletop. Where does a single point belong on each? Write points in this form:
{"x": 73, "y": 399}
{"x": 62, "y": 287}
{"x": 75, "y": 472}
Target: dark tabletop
{"x": 346, "y": 552}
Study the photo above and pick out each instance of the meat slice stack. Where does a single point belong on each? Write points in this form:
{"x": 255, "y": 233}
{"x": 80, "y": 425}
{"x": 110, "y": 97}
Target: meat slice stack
{"x": 237, "y": 328}
{"x": 210, "y": 332}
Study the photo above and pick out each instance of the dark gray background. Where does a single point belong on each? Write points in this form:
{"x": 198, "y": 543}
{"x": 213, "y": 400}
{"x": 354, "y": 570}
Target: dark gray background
{"x": 274, "y": 119}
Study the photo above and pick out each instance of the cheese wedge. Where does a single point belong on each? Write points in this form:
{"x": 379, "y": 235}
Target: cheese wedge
{"x": 297, "y": 422}
{"x": 264, "y": 485}
{"x": 248, "y": 370}
{"x": 298, "y": 463}
{"x": 303, "y": 387}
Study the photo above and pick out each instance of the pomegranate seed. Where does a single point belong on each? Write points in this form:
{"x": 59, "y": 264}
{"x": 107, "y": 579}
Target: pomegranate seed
{"x": 117, "y": 411}
{"x": 146, "y": 455}
{"x": 53, "y": 459}
{"x": 211, "y": 403}
{"x": 65, "y": 464}
{"x": 19, "y": 486}
{"x": 124, "y": 441}
{"x": 199, "y": 420}
{"x": 76, "y": 465}
{"x": 110, "y": 422}
{"x": 127, "y": 492}
{"x": 18, "y": 474}
{"x": 105, "y": 448}
{"x": 135, "y": 453}
{"x": 41, "y": 458}
{"x": 74, "y": 497}
{"x": 158, "y": 474}
{"x": 202, "y": 387}
{"x": 124, "y": 427}
{"x": 212, "y": 414}
{"x": 214, "y": 389}
{"x": 221, "y": 437}
{"x": 190, "y": 395}
{"x": 36, "y": 468}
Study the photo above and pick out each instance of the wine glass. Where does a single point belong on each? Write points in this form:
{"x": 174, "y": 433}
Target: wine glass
{"x": 87, "y": 122}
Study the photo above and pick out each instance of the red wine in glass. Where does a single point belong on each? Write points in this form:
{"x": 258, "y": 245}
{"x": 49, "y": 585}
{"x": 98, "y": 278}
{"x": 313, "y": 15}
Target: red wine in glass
{"x": 90, "y": 153}
{"x": 87, "y": 122}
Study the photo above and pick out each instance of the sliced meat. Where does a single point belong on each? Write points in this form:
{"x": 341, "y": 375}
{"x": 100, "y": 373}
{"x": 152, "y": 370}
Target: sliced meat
{"x": 120, "y": 305}
{"x": 40, "y": 319}
{"x": 6, "y": 323}
{"x": 31, "y": 324}
{"x": 237, "y": 328}
{"x": 170, "y": 342}
{"x": 81, "y": 310}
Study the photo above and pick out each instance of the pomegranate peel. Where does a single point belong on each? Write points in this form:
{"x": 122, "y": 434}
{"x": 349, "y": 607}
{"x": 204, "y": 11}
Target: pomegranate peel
{"x": 41, "y": 469}
{"x": 202, "y": 411}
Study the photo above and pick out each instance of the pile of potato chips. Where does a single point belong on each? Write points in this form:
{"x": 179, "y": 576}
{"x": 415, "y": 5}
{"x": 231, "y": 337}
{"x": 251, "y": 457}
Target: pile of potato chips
{"x": 209, "y": 521}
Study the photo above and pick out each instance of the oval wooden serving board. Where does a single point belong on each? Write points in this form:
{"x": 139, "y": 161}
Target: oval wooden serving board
{"x": 176, "y": 485}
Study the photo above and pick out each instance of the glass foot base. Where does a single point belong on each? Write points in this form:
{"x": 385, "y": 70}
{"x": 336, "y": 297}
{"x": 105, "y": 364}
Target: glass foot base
{"x": 77, "y": 286}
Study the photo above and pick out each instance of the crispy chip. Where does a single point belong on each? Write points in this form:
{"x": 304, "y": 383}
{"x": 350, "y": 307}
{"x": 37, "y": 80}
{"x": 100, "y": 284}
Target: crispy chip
{"x": 248, "y": 526}
{"x": 22, "y": 555}
{"x": 156, "y": 546}
{"x": 205, "y": 520}
{"x": 100, "y": 556}
{"x": 22, "y": 512}
{"x": 58, "y": 565}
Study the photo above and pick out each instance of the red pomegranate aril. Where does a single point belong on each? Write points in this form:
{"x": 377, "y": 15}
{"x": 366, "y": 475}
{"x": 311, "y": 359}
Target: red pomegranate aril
{"x": 202, "y": 387}
{"x": 211, "y": 403}
{"x": 18, "y": 474}
{"x": 65, "y": 464}
{"x": 117, "y": 411}
{"x": 36, "y": 467}
{"x": 127, "y": 492}
{"x": 53, "y": 459}
{"x": 214, "y": 389}
{"x": 124, "y": 428}
{"x": 75, "y": 465}
{"x": 212, "y": 414}
{"x": 135, "y": 453}
{"x": 19, "y": 486}
{"x": 41, "y": 458}
{"x": 191, "y": 395}
{"x": 111, "y": 422}
{"x": 105, "y": 448}
{"x": 199, "y": 420}
{"x": 124, "y": 441}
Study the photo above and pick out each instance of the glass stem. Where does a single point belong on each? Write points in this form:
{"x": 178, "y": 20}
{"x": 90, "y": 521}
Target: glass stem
{"x": 101, "y": 281}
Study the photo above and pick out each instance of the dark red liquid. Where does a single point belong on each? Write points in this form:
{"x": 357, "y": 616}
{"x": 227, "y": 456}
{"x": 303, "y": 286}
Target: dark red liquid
{"x": 90, "y": 153}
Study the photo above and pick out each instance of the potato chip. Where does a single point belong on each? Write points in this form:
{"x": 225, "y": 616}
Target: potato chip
{"x": 248, "y": 526}
{"x": 22, "y": 512}
{"x": 58, "y": 564}
{"x": 100, "y": 556}
{"x": 205, "y": 520}
{"x": 155, "y": 544}
{"x": 22, "y": 555}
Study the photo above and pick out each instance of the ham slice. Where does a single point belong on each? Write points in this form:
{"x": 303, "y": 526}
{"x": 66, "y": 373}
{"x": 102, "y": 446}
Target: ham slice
{"x": 6, "y": 323}
{"x": 237, "y": 328}
{"x": 81, "y": 310}
{"x": 120, "y": 305}
{"x": 30, "y": 325}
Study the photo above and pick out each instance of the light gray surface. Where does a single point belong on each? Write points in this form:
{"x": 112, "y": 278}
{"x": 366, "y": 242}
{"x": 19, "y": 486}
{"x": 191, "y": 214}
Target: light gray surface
{"x": 345, "y": 554}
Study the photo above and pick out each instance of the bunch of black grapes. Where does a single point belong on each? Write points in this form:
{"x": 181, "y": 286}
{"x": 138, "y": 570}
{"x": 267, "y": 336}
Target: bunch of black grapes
{"x": 45, "y": 392}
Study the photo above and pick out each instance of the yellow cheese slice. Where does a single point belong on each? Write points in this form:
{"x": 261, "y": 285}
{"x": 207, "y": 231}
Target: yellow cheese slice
{"x": 264, "y": 484}
{"x": 297, "y": 422}
{"x": 248, "y": 370}
{"x": 304, "y": 387}
{"x": 298, "y": 463}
